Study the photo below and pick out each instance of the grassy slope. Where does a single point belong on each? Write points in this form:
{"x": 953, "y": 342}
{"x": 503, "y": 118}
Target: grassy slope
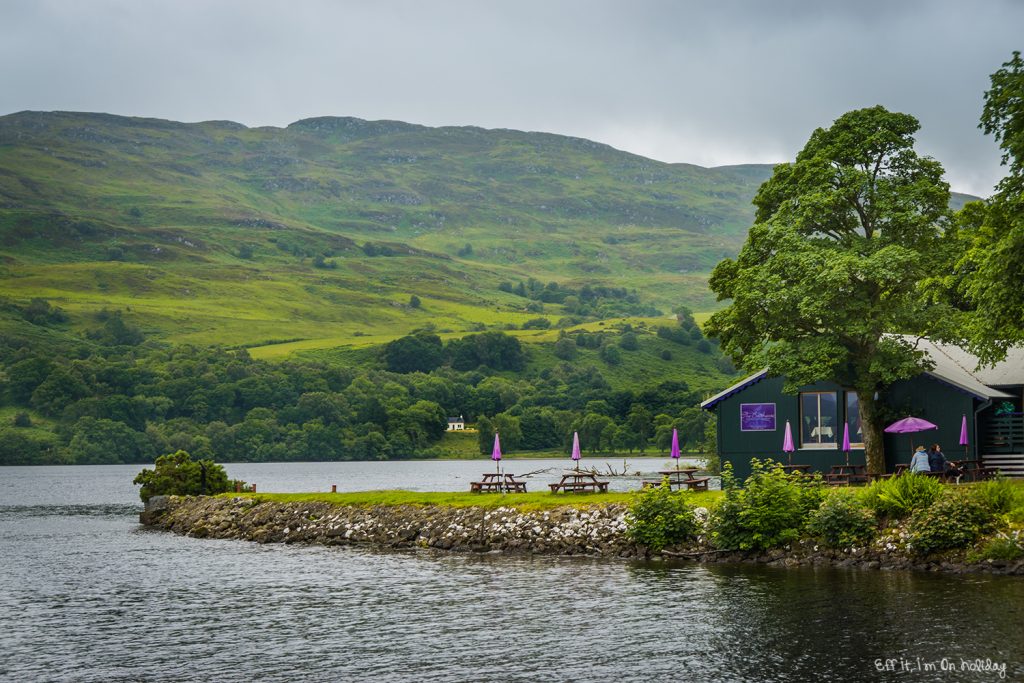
{"x": 175, "y": 203}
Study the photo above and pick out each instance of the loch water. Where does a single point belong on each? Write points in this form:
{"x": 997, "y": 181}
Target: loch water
{"x": 86, "y": 594}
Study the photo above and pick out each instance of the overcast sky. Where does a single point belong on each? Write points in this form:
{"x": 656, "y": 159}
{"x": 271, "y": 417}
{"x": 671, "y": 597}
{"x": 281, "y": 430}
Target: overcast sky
{"x": 709, "y": 83}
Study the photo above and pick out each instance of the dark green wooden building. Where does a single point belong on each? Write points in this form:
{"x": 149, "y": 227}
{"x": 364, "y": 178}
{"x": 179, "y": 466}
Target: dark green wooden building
{"x": 753, "y": 413}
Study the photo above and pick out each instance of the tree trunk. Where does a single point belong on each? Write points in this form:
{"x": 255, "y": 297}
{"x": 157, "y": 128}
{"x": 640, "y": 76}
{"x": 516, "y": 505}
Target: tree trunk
{"x": 871, "y": 424}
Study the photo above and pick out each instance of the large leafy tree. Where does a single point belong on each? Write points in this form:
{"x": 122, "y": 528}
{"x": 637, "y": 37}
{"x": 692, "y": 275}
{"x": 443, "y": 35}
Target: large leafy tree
{"x": 989, "y": 273}
{"x": 832, "y": 266}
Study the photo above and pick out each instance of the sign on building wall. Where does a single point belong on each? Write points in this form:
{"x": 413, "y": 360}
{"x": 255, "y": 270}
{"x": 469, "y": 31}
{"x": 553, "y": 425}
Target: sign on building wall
{"x": 757, "y": 417}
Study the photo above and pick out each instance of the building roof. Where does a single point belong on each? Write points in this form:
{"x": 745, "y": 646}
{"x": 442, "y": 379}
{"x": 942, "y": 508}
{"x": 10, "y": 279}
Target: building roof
{"x": 1009, "y": 372}
{"x": 953, "y": 365}
{"x": 735, "y": 388}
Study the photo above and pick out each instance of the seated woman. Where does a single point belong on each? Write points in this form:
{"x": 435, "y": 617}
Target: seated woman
{"x": 938, "y": 463}
{"x": 919, "y": 463}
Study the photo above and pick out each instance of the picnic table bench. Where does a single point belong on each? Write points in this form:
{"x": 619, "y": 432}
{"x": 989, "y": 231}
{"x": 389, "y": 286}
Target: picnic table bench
{"x": 844, "y": 475}
{"x": 492, "y": 482}
{"x": 679, "y": 478}
{"x": 579, "y": 482}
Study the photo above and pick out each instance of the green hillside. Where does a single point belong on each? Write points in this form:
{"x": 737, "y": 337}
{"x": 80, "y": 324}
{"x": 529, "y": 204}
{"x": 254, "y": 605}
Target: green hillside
{"x": 217, "y": 233}
{"x": 539, "y": 274}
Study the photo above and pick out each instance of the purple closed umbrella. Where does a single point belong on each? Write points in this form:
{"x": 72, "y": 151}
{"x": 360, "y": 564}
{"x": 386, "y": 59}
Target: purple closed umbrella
{"x": 496, "y": 452}
{"x": 787, "y": 443}
{"x": 910, "y": 425}
{"x": 963, "y": 435}
{"x": 846, "y": 442}
{"x": 675, "y": 447}
{"x": 576, "y": 448}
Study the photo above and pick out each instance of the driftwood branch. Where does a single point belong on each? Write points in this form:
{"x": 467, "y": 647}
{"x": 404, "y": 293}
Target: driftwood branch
{"x": 695, "y": 554}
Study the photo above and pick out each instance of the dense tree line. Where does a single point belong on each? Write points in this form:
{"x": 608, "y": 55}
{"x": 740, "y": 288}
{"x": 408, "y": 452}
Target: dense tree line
{"x": 589, "y": 301}
{"x": 126, "y": 404}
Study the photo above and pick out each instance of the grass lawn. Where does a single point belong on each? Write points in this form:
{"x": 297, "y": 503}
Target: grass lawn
{"x": 521, "y": 501}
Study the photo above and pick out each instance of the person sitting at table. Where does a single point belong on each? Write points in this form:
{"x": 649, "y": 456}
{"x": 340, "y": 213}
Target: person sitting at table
{"x": 938, "y": 463}
{"x": 919, "y": 463}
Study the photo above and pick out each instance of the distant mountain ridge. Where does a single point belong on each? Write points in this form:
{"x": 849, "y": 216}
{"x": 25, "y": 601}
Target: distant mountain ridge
{"x": 214, "y": 231}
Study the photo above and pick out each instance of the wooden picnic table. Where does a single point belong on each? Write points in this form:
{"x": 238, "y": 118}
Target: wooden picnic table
{"x": 579, "y": 482}
{"x": 678, "y": 478}
{"x": 802, "y": 469}
{"x": 844, "y": 475}
{"x": 494, "y": 482}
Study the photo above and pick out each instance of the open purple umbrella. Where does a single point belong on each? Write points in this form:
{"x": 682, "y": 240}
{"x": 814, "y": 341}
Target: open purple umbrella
{"x": 496, "y": 452}
{"x": 576, "y": 448}
{"x": 675, "y": 447}
{"x": 963, "y": 435}
{"x": 787, "y": 443}
{"x": 910, "y": 425}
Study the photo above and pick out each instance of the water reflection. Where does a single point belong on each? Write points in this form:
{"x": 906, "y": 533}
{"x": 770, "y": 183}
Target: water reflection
{"x": 89, "y": 595}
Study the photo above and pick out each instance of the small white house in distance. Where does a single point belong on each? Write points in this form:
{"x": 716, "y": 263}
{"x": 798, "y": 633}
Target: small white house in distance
{"x": 456, "y": 424}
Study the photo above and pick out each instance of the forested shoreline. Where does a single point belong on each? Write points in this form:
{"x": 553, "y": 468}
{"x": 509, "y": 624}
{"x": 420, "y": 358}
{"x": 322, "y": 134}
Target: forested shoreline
{"x": 112, "y": 402}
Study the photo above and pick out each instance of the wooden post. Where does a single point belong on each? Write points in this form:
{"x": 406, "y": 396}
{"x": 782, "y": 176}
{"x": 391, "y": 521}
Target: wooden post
{"x": 238, "y": 487}
{"x": 334, "y": 488}
{"x": 254, "y": 488}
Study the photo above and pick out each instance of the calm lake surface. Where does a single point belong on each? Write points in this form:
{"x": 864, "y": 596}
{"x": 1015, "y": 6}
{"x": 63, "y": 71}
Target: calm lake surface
{"x": 88, "y": 595}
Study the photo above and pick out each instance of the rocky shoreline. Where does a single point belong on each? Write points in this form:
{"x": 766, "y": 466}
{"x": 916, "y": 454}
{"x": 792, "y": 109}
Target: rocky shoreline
{"x": 596, "y": 530}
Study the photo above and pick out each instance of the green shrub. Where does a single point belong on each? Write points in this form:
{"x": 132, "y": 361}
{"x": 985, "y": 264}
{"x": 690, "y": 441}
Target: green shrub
{"x": 659, "y": 517}
{"x": 842, "y": 521}
{"x": 998, "y": 496}
{"x": 177, "y": 474}
{"x": 953, "y": 521}
{"x": 770, "y": 509}
{"x": 899, "y": 497}
{"x": 1002, "y": 547}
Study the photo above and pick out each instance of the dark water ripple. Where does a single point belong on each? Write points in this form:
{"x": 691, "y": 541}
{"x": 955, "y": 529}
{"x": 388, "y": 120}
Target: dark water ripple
{"x": 88, "y": 595}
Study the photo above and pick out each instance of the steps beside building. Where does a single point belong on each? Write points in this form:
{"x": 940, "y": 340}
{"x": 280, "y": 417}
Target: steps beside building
{"x": 1010, "y": 464}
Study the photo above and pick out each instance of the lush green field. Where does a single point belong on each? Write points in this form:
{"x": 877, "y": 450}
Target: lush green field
{"x": 522, "y": 501}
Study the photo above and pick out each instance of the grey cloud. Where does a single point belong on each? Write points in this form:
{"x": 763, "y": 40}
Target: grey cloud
{"x": 699, "y": 82}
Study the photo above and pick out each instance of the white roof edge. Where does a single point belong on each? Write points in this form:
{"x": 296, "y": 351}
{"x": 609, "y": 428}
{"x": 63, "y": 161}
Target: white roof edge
{"x": 735, "y": 387}
{"x": 989, "y": 392}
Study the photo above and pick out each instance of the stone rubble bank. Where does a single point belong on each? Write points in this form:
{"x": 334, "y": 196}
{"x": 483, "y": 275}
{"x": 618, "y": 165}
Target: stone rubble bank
{"x": 593, "y": 530}
{"x": 596, "y": 530}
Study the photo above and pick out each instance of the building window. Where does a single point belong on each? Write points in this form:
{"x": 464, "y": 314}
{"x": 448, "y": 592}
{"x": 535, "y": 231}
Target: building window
{"x": 818, "y": 419}
{"x": 853, "y": 420}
